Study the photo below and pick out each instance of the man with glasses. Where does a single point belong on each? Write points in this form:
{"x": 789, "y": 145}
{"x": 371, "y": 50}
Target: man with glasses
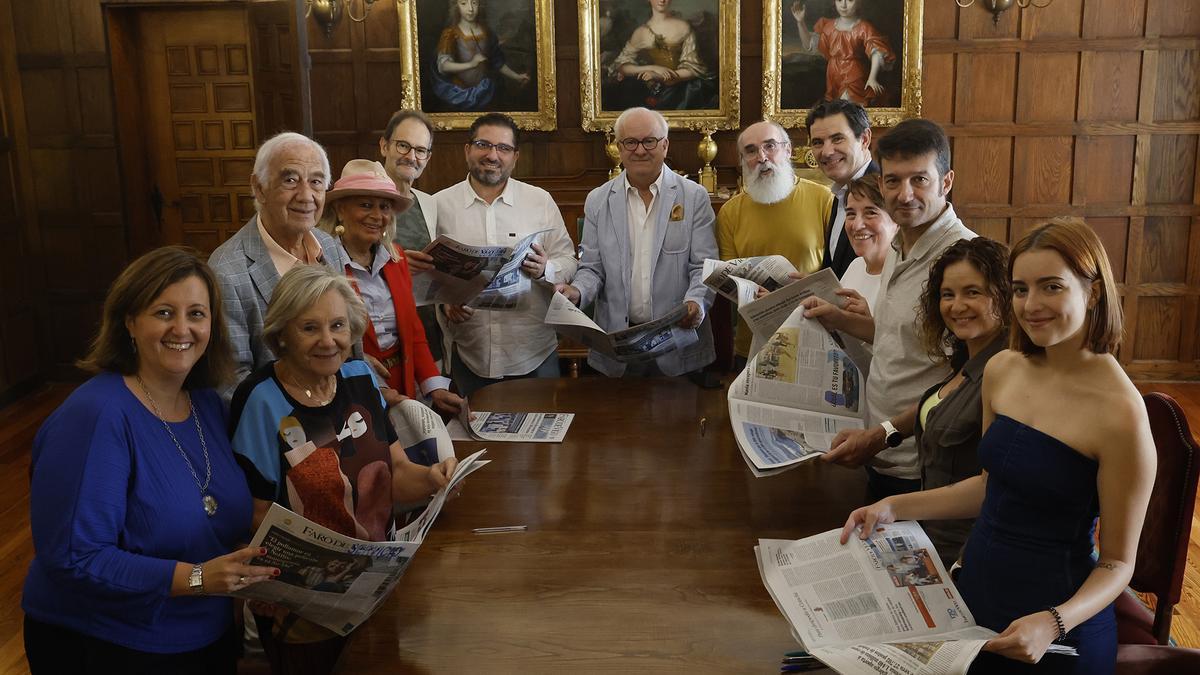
{"x": 406, "y": 145}
{"x": 646, "y": 234}
{"x": 839, "y": 133}
{"x": 777, "y": 214}
{"x": 491, "y": 208}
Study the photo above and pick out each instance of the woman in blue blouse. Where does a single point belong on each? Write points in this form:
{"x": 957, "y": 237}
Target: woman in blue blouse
{"x": 136, "y": 500}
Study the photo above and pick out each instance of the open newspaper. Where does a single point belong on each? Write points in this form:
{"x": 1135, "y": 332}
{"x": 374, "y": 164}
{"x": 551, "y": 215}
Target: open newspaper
{"x": 794, "y": 396}
{"x": 418, "y": 427}
{"x": 511, "y": 427}
{"x": 643, "y": 342}
{"x": 881, "y": 605}
{"x": 486, "y": 277}
{"x": 764, "y": 315}
{"x": 334, "y": 580}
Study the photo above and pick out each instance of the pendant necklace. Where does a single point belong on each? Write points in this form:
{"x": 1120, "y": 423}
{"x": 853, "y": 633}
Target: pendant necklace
{"x": 308, "y": 393}
{"x": 209, "y": 502}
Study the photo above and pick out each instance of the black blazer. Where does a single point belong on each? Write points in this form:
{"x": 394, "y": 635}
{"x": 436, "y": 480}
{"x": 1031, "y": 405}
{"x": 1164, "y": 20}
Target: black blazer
{"x": 845, "y": 253}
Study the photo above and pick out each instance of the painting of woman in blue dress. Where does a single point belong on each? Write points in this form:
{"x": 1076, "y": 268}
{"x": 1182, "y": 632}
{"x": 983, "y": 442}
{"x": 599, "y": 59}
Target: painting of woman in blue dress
{"x": 477, "y": 66}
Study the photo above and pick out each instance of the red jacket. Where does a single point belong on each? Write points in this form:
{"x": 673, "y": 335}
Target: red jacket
{"x": 417, "y": 363}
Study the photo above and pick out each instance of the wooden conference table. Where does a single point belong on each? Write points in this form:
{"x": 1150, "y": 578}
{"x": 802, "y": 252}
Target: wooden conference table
{"x": 639, "y": 550}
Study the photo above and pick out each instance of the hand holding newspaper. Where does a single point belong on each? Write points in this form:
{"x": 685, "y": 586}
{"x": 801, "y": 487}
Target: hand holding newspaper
{"x": 643, "y": 342}
{"x": 880, "y": 605}
{"x": 514, "y": 427}
{"x": 764, "y": 271}
{"x": 338, "y": 581}
{"x": 487, "y": 277}
{"x": 794, "y": 396}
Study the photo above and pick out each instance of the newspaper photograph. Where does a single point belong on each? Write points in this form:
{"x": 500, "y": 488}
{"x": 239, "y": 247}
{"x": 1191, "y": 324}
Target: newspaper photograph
{"x": 334, "y": 580}
{"x": 511, "y": 427}
{"x": 643, "y": 342}
{"x": 462, "y": 273}
{"x": 884, "y": 604}
{"x": 765, "y": 271}
{"x": 794, "y": 396}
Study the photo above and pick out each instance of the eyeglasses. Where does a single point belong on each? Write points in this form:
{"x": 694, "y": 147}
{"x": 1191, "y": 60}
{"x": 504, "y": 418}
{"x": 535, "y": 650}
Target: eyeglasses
{"x": 418, "y": 151}
{"x": 648, "y": 143}
{"x": 768, "y": 146}
{"x": 502, "y": 148}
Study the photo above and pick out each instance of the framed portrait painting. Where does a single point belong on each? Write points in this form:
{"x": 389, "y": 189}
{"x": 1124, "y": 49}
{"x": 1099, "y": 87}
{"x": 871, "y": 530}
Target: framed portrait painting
{"x": 468, "y": 57}
{"x": 867, "y": 51}
{"x": 679, "y": 57}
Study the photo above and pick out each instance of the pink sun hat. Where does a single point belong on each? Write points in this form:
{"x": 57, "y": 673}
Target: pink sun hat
{"x": 365, "y": 177}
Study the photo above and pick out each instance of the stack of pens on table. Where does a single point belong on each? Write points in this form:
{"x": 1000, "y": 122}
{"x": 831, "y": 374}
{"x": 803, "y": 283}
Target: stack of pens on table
{"x": 800, "y": 662}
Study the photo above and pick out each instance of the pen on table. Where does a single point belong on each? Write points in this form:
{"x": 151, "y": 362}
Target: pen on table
{"x": 494, "y": 530}
{"x": 801, "y": 667}
{"x": 703, "y": 425}
{"x": 788, "y": 660}
{"x": 800, "y": 653}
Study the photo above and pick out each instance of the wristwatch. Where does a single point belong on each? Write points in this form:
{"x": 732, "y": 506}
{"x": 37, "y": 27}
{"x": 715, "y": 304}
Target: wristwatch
{"x": 196, "y": 580}
{"x": 891, "y": 436}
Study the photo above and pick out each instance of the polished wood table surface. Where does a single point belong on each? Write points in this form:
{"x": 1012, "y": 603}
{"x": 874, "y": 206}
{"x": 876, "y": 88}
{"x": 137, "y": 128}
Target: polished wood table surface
{"x": 639, "y": 553}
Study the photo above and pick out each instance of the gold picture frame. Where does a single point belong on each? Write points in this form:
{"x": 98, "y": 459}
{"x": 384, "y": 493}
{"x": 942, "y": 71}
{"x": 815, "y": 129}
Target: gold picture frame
{"x": 605, "y": 93}
{"x": 786, "y": 60}
{"x": 532, "y": 104}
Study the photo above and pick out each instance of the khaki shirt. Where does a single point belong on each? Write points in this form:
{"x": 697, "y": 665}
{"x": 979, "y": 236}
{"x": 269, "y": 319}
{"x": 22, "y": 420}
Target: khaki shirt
{"x": 900, "y": 369}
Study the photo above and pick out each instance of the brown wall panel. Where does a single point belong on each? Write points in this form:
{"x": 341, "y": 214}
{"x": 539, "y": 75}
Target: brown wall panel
{"x": 1113, "y": 18}
{"x": 1113, "y": 233}
{"x": 1177, "y": 97}
{"x": 937, "y": 86}
{"x": 1043, "y": 170}
{"x": 985, "y": 170}
{"x": 986, "y": 86}
{"x": 1045, "y": 87}
{"x": 1061, "y": 19}
{"x": 1175, "y": 17}
{"x": 1172, "y": 170}
{"x": 1157, "y": 327}
{"x": 1105, "y": 169}
{"x": 1108, "y": 88}
{"x": 1165, "y": 250}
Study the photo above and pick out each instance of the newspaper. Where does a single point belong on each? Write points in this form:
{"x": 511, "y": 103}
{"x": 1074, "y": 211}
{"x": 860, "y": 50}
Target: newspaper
{"x": 765, "y": 271}
{"x": 333, "y": 580}
{"x": 881, "y": 605}
{"x": 643, "y": 342}
{"x": 419, "y": 427}
{"x": 487, "y": 277}
{"x": 794, "y": 396}
{"x": 513, "y": 427}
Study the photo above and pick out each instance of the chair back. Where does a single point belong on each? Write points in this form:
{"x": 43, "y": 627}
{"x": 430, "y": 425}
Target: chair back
{"x": 1163, "y": 547}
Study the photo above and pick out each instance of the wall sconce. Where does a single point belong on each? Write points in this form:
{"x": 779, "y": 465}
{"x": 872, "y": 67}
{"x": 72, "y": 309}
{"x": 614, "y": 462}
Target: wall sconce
{"x": 998, "y": 7}
{"x": 329, "y": 12}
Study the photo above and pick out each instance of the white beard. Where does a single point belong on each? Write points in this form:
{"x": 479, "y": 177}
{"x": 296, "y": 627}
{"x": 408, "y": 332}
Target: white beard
{"x": 771, "y": 188}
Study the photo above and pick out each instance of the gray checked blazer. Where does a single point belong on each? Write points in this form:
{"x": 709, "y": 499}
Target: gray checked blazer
{"x": 247, "y": 277}
{"x": 676, "y": 271}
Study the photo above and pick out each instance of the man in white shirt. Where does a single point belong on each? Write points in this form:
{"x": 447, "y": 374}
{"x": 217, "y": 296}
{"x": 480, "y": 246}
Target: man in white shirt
{"x": 491, "y": 208}
{"x": 839, "y": 134}
{"x": 915, "y": 180}
{"x": 646, "y": 235}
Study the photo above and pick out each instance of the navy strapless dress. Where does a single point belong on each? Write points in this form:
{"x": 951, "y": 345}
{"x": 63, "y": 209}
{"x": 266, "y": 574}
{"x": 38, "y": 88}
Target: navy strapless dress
{"x": 1031, "y": 546}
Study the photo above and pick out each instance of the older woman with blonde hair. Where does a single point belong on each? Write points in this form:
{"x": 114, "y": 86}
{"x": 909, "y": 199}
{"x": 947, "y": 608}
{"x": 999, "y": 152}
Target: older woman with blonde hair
{"x": 135, "y": 498}
{"x": 311, "y": 433}
{"x": 361, "y": 212}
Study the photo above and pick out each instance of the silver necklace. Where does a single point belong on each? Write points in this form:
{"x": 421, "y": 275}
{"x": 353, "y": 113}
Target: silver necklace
{"x": 309, "y": 392}
{"x": 209, "y": 502}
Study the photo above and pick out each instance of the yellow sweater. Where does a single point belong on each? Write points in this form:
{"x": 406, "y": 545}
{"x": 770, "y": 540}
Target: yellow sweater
{"x": 793, "y": 228}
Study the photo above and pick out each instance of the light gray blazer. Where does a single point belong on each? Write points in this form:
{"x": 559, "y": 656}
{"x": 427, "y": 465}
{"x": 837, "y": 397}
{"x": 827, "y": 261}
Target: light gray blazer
{"x": 247, "y": 277}
{"x": 676, "y": 273}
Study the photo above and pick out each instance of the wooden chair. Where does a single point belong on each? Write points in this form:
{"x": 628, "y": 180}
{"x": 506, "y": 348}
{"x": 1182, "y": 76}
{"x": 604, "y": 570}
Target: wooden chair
{"x": 1162, "y": 549}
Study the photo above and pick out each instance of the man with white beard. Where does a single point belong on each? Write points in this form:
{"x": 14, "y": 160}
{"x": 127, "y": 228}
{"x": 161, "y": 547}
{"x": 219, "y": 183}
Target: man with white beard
{"x": 777, "y": 213}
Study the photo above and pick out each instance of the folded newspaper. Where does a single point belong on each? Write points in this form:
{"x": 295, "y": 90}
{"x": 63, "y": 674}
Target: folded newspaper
{"x": 511, "y": 427}
{"x": 733, "y": 278}
{"x": 794, "y": 396}
{"x": 487, "y": 277}
{"x": 881, "y": 605}
{"x": 643, "y": 342}
{"x": 334, "y": 580}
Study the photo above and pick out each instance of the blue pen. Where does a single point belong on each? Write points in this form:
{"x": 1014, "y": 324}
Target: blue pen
{"x": 800, "y": 667}
{"x": 799, "y": 659}
{"x": 797, "y": 654}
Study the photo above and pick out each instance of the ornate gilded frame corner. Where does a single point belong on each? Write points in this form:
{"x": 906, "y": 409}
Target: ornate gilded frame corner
{"x": 546, "y": 116}
{"x": 910, "y": 77}
{"x": 728, "y": 76}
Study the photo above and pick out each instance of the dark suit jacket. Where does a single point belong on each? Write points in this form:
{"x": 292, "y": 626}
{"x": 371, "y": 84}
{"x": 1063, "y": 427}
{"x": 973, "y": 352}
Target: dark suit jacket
{"x": 845, "y": 253}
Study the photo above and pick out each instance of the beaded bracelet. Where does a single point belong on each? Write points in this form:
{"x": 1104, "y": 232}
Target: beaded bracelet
{"x": 1062, "y": 629}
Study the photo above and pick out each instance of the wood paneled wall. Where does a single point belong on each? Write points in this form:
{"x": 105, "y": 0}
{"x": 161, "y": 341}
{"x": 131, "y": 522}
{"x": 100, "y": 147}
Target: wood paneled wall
{"x": 1087, "y": 107}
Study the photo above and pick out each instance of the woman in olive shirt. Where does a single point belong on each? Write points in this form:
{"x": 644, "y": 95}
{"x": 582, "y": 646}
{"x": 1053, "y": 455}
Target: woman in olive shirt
{"x": 964, "y": 314}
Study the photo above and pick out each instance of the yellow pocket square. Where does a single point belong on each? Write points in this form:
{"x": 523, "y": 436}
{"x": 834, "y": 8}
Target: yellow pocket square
{"x": 677, "y": 212}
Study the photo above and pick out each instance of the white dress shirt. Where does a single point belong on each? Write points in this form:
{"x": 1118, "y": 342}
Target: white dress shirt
{"x": 497, "y": 344}
{"x": 642, "y": 219}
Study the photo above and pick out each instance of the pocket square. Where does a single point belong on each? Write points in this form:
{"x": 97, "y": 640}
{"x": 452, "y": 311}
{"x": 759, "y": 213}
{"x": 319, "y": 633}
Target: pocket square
{"x": 677, "y": 212}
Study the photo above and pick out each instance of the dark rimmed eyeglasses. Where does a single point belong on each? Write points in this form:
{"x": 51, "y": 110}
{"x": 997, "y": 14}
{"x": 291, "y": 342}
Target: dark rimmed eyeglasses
{"x": 632, "y": 144}
{"x": 418, "y": 151}
{"x": 484, "y": 146}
